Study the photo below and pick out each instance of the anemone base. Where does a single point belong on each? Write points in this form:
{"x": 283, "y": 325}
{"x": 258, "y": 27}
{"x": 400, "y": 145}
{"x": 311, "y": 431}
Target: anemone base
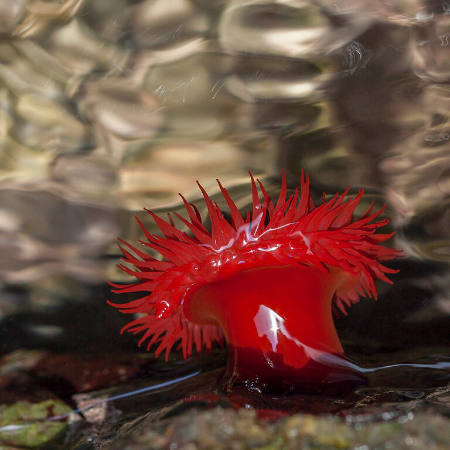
{"x": 266, "y": 373}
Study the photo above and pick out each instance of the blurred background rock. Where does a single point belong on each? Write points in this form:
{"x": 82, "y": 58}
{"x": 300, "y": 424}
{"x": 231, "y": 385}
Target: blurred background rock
{"x": 110, "y": 106}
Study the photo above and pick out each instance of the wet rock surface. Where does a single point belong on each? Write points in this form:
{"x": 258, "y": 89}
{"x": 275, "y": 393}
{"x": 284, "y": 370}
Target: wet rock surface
{"x": 225, "y": 428}
{"x": 97, "y": 401}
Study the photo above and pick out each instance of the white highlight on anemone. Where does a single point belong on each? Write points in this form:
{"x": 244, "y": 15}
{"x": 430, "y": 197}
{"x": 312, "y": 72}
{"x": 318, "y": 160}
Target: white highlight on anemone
{"x": 306, "y": 240}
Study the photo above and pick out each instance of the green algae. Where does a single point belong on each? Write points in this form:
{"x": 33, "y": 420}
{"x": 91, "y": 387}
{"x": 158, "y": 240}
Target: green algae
{"x": 26, "y": 424}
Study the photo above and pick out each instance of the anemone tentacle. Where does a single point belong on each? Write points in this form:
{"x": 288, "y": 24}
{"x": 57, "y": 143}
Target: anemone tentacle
{"x": 290, "y": 232}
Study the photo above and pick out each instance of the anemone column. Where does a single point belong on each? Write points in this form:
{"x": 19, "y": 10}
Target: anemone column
{"x": 278, "y": 325}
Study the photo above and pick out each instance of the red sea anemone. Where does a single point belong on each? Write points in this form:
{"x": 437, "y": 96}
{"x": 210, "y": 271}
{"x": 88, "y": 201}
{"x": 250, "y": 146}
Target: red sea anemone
{"x": 266, "y": 283}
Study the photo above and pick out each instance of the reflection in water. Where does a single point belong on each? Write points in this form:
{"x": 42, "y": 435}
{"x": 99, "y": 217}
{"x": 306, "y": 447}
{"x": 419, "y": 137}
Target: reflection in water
{"x": 121, "y": 104}
{"x": 150, "y": 392}
{"x": 136, "y": 392}
{"x": 155, "y": 395}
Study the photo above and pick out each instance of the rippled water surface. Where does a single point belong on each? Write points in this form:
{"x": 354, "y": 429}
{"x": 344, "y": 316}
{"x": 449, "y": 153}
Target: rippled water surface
{"x": 110, "y": 106}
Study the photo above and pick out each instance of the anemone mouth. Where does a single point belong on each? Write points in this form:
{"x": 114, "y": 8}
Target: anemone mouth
{"x": 293, "y": 231}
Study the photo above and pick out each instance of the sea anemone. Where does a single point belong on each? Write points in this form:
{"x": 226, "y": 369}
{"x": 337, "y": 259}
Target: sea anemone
{"x": 266, "y": 283}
